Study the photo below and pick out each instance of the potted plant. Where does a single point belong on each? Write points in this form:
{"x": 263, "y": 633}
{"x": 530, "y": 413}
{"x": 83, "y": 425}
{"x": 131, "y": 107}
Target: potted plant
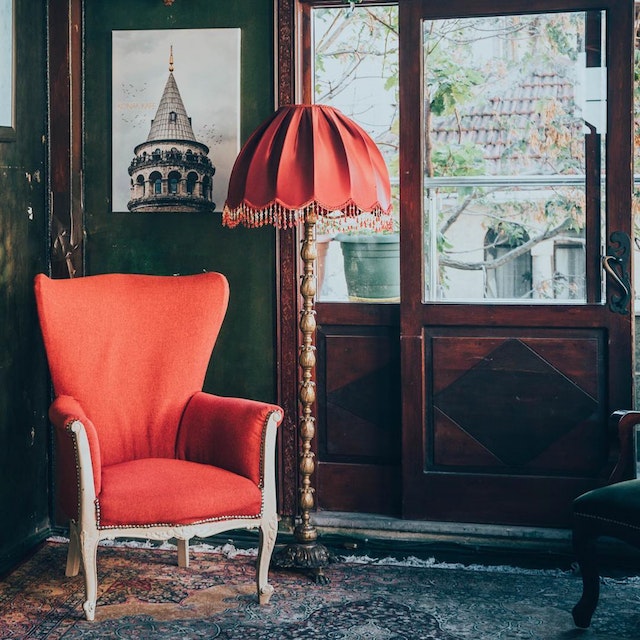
{"x": 371, "y": 265}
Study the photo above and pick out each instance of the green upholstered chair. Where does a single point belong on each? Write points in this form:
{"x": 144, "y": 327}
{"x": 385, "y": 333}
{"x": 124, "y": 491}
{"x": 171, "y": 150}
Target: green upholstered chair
{"x": 141, "y": 450}
{"x": 610, "y": 511}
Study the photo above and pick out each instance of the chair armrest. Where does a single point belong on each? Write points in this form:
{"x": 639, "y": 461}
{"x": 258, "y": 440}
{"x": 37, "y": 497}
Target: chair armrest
{"x": 74, "y": 460}
{"x": 228, "y": 432}
{"x": 623, "y": 422}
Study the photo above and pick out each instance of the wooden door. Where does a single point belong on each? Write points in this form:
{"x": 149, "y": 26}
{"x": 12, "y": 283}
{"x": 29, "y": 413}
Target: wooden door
{"x": 508, "y": 378}
{"x": 24, "y": 392}
{"x": 359, "y": 408}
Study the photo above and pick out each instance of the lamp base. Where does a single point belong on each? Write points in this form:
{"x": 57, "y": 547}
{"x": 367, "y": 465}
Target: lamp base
{"x": 309, "y": 556}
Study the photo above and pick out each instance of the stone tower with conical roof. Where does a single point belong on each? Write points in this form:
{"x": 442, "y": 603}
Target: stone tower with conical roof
{"x": 171, "y": 171}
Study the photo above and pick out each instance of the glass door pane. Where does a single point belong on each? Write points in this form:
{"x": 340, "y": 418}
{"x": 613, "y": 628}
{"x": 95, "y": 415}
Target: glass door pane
{"x": 510, "y": 103}
{"x": 355, "y": 69}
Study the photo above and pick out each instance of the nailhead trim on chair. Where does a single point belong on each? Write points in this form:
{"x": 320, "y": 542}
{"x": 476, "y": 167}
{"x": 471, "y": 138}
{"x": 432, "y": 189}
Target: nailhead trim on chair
{"x": 169, "y": 524}
{"x": 609, "y": 520}
{"x": 68, "y": 429}
{"x": 262, "y": 460}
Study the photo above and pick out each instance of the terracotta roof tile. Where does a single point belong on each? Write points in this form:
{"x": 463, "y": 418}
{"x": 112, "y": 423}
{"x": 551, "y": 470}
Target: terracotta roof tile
{"x": 501, "y": 122}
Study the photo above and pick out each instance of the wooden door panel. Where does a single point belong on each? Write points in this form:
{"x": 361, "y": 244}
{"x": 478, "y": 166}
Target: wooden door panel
{"x": 504, "y": 410}
{"x": 514, "y": 401}
{"x": 359, "y": 418}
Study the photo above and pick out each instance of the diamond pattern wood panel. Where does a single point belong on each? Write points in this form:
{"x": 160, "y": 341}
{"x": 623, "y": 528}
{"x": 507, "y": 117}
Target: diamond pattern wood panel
{"x": 500, "y": 405}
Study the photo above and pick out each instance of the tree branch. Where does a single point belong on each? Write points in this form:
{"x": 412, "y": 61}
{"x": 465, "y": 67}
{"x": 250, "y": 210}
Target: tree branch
{"x": 510, "y": 255}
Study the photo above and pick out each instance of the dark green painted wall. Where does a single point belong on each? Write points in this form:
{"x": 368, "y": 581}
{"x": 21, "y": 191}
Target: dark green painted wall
{"x": 244, "y": 361}
{"x": 244, "y": 358}
{"x": 24, "y": 389}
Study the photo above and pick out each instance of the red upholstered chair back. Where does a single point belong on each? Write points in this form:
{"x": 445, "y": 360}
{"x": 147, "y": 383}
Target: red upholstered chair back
{"x": 131, "y": 349}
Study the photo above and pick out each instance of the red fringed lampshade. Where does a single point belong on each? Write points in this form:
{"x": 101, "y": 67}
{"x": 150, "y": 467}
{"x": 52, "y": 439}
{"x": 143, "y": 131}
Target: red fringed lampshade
{"x": 309, "y": 157}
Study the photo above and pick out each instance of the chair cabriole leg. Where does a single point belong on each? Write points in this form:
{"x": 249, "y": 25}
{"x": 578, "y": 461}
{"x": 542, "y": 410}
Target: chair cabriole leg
{"x": 268, "y": 532}
{"x": 584, "y": 545}
{"x": 183, "y": 553}
{"x": 89, "y": 549}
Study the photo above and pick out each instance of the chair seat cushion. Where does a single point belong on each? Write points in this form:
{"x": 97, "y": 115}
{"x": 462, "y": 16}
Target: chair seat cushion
{"x": 173, "y": 492}
{"x": 618, "y": 503}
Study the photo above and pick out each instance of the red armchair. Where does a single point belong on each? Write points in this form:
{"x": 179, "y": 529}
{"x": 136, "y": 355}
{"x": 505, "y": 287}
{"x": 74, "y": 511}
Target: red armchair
{"x": 142, "y": 452}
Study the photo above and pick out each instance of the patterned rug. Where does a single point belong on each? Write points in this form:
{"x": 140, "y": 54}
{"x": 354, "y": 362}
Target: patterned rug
{"x": 144, "y": 594}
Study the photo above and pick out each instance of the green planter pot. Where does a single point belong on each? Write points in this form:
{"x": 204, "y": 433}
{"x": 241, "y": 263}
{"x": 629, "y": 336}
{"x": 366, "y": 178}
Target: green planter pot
{"x": 371, "y": 266}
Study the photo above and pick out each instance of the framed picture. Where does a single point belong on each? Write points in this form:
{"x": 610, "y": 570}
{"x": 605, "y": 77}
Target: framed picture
{"x": 175, "y": 119}
{"x": 7, "y": 75}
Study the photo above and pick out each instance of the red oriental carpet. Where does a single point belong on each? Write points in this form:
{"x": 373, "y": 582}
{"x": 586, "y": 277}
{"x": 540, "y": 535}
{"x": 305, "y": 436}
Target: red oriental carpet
{"x": 144, "y": 594}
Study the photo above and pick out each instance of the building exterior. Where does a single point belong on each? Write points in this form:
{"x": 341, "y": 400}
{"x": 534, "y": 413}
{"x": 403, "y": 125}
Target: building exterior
{"x": 171, "y": 171}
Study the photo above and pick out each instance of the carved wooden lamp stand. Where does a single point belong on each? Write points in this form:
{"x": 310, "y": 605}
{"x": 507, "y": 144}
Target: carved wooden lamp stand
{"x": 307, "y": 161}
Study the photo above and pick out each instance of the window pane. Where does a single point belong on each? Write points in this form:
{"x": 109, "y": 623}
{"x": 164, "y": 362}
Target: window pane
{"x": 6, "y": 63}
{"x": 355, "y": 69}
{"x": 503, "y": 242}
{"x": 508, "y": 105}
{"x": 569, "y": 281}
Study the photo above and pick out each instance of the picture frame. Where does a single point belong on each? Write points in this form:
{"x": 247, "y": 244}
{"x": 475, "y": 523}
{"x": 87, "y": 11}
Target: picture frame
{"x": 192, "y": 76}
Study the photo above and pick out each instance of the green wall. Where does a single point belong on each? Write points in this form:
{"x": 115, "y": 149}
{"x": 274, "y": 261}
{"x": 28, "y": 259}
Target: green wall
{"x": 244, "y": 358}
{"x": 24, "y": 389}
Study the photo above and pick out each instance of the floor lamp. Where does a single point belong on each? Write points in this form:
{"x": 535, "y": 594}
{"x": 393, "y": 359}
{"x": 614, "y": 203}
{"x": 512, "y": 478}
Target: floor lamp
{"x": 302, "y": 163}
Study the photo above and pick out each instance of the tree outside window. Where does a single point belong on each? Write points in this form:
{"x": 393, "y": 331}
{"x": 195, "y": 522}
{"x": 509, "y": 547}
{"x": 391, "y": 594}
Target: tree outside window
{"x": 503, "y": 145}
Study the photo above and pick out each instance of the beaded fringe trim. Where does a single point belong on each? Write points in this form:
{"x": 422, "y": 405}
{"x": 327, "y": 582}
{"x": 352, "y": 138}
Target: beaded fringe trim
{"x": 349, "y": 217}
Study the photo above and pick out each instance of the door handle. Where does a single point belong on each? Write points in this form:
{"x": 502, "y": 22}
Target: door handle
{"x": 616, "y": 265}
